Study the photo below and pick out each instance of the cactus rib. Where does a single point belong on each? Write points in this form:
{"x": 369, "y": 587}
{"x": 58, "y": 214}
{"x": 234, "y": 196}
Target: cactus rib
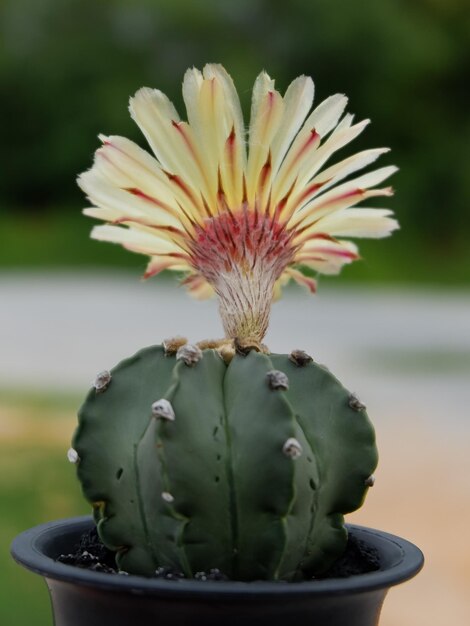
{"x": 250, "y": 472}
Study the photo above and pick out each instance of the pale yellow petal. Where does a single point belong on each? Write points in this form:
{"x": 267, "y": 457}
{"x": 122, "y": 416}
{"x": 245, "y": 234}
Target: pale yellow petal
{"x": 127, "y": 202}
{"x": 299, "y": 160}
{"x": 266, "y": 113}
{"x": 159, "y": 122}
{"x": 136, "y": 165}
{"x": 298, "y": 100}
{"x": 214, "y": 129}
{"x": 159, "y": 263}
{"x": 231, "y": 145}
{"x": 343, "y": 196}
{"x": 232, "y": 102}
{"x": 327, "y": 257}
{"x": 133, "y": 240}
{"x": 359, "y": 222}
{"x": 107, "y": 215}
{"x": 342, "y": 135}
{"x": 327, "y": 114}
{"x": 328, "y": 246}
{"x": 215, "y": 114}
{"x": 154, "y": 114}
{"x": 369, "y": 180}
{"x": 344, "y": 168}
{"x": 328, "y": 178}
{"x": 301, "y": 279}
{"x": 307, "y": 224}
{"x": 192, "y": 82}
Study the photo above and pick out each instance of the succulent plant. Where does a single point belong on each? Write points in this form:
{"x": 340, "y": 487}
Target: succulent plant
{"x": 222, "y": 454}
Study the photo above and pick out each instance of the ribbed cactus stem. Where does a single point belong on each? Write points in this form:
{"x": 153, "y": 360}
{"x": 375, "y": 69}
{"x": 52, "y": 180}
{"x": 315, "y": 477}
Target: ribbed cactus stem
{"x": 245, "y": 464}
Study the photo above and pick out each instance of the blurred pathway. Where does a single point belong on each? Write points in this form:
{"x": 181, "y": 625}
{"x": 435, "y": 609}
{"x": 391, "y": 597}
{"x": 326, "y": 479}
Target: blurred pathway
{"x": 398, "y": 349}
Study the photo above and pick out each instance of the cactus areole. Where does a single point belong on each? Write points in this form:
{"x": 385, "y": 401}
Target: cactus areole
{"x": 223, "y": 454}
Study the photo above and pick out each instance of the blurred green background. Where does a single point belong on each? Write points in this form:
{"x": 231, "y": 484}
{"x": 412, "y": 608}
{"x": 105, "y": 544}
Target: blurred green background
{"x": 67, "y": 69}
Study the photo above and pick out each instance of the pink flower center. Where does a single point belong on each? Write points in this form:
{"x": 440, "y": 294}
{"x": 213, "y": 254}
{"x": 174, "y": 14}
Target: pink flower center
{"x": 242, "y": 255}
{"x": 240, "y": 242}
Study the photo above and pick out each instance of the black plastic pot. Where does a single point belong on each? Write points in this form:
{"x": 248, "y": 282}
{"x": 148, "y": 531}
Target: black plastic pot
{"x": 85, "y": 598}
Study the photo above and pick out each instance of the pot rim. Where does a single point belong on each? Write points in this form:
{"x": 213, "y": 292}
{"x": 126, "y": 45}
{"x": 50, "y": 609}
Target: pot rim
{"x": 30, "y": 550}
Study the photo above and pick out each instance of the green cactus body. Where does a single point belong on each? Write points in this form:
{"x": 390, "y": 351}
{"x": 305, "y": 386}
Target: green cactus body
{"x": 217, "y": 487}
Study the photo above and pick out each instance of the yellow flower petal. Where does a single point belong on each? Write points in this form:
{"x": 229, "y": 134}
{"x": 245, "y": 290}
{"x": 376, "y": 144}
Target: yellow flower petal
{"x": 266, "y": 113}
{"x": 144, "y": 243}
{"x": 359, "y": 222}
{"x": 297, "y": 103}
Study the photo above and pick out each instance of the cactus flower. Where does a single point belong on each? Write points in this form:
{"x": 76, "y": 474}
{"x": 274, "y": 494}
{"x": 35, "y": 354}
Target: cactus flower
{"x": 238, "y": 214}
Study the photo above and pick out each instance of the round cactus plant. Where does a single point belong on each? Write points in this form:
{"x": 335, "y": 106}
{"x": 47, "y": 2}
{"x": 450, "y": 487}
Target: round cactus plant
{"x": 222, "y": 454}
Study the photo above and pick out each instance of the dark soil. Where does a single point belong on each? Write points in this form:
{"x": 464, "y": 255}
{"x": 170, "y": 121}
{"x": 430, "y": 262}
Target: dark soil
{"x": 90, "y": 553}
{"x": 358, "y": 558}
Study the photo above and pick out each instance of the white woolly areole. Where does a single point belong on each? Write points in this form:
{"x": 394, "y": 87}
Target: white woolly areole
{"x": 102, "y": 380}
{"x": 292, "y": 448}
{"x": 162, "y": 408}
{"x": 189, "y": 353}
{"x": 72, "y": 455}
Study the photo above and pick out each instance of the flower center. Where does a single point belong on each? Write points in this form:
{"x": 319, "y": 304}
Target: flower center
{"x": 242, "y": 255}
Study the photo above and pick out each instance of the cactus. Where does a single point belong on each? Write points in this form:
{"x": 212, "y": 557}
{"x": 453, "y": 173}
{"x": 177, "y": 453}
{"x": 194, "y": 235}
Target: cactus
{"x": 244, "y": 476}
{"x": 223, "y": 454}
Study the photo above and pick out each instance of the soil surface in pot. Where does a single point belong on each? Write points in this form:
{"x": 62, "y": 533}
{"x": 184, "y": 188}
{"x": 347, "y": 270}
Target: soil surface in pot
{"x": 90, "y": 553}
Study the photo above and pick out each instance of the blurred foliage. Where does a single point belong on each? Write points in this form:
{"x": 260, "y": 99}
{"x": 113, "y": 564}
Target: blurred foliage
{"x": 35, "y": 433}
{"x": 68, "y": 68}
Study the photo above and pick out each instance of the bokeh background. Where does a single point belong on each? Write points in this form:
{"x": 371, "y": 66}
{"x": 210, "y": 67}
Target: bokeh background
{"x": 395, "y": 326}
